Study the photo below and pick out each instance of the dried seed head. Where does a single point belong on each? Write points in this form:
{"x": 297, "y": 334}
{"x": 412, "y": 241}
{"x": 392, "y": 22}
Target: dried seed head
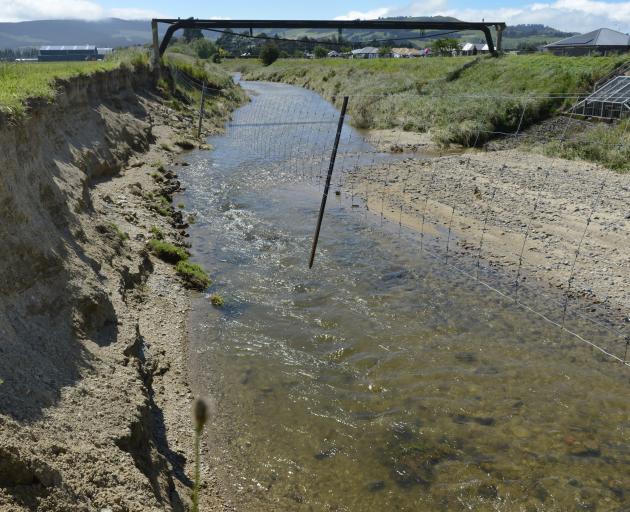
{"x": 200, "y": 414}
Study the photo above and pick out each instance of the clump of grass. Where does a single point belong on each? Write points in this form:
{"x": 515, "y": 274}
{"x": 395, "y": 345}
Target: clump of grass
{"x": 605, "y": 144}
{"x": 112, "y": 230}
{"x": 193, "y": 274}
{"x": 185, "y": 144}
{"x": 181, "y": 206}
{"x": 217, "y": 301}
{"x": 167, "y": 251}
{"x": 157, "y": 233}
{"x": 161, "y": 205}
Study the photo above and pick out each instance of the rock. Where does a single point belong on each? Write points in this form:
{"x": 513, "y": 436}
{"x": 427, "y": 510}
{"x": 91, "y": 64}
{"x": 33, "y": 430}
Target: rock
{"x": 487, "y": 490}
{"x": 377, "y": 485}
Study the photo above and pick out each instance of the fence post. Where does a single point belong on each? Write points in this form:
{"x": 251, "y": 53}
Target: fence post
{"x": 203, "y": 100}
{"x": 331, "y": 166}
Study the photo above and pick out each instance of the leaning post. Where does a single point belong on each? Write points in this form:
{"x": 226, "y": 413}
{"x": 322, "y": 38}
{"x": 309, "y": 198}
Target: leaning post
{"x": 201, "y": 106}
{"x": 156, "y": 45}
{"x": 331, "y": 166}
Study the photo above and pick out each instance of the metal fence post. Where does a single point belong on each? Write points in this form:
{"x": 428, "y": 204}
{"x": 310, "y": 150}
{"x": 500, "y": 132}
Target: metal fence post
{"x": 203, "y": 100}
{"x": 331, "y": 166}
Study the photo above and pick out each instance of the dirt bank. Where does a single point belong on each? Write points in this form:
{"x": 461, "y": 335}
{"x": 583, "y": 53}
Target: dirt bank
{"x": 532, "y": 204}
{"x": 94, "y": 401}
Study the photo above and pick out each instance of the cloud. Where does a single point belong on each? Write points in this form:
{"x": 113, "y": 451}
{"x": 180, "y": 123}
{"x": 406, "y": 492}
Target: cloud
{"x": 367, "y": 15}
{"x": 20, "y": 10}
{"x": 568, "y": 15}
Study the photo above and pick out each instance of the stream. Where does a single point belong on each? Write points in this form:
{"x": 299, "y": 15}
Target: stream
{"x": 381, "y": 379}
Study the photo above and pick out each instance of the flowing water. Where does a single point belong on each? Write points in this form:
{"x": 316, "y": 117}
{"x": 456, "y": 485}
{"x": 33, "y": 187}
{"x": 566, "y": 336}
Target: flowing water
{"x": 381, "y": 379}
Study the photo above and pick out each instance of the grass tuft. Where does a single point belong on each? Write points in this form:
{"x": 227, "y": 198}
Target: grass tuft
{"x": 193, "y": 274}
{"x": 167, "y": 251}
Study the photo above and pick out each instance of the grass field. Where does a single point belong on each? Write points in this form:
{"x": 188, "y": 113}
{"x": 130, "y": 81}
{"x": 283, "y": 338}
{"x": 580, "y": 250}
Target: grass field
{"x": 24, "y": 80}
{"x": 463, "y": 100}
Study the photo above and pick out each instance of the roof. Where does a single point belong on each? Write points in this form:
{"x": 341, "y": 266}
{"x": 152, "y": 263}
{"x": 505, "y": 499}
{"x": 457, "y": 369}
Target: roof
{"x": 599, "y": 37}
{"x": 83, "y": 47}
{"x": 367, "y": 49}
{"x": 468, "y": 47}
{"x": 406, "y": 51}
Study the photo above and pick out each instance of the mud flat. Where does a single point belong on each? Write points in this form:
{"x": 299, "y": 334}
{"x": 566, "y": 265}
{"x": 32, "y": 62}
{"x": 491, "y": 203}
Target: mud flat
{"x": 520, "y": 202}
{"x": 94, "y": 400}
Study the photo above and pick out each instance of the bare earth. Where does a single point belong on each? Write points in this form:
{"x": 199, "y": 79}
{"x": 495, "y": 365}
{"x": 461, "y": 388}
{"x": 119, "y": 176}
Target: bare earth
{"x": 522, "y": 203}
{"x": 94, "y": 400}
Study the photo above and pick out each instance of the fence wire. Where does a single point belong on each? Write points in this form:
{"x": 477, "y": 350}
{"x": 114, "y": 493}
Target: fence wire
{"x": 397, "y": 184}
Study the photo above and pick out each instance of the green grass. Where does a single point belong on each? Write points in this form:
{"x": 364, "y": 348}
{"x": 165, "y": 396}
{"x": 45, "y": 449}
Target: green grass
{"x": 167, "y": 251}
{"x": 456, "y": 99}
{"x": 193, "y": 274}
{"x": 217, "y": 301}
{"x": 22, "y": 81}
{"x": 605, "y": 144}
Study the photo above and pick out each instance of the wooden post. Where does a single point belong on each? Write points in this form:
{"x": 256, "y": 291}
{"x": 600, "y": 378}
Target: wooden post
{"x": 156, "y": 45}
{"x": 203, "y": 99}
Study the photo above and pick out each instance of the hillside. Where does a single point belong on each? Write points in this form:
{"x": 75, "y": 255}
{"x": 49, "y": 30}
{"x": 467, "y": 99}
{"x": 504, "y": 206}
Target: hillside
{"x": 110, "y": 32}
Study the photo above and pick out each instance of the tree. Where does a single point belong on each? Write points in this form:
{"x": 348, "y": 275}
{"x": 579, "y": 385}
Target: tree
{"x": 383, "y": 51}
{"x": 205, "y": 49}
{"x": 320, "y": 52}
{"x": 445, "y": 46}
{"x": 269, "y": 54}
{"x": 190, "y": 34}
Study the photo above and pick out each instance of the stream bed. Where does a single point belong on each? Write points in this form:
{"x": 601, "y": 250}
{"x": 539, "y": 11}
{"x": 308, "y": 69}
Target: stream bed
{"x": 381, "y": 379}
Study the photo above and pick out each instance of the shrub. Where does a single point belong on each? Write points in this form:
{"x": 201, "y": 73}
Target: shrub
{"x": 168, "y": 252}
{"x": 269, "y": 54}
{"x": 320, "y": 52}
{"x": 193, "y": 274}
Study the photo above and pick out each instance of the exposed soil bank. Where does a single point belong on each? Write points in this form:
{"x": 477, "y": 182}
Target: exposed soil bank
{"x": 512, "y": 197}
{"x": 94, "y": 401}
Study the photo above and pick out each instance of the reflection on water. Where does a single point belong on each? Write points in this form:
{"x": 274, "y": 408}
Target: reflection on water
{"x": 380, "y": 380}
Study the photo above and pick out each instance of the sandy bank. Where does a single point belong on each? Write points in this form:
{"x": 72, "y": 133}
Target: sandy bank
{"x": 522, "y": 203}
{"x": 94, "y": 400}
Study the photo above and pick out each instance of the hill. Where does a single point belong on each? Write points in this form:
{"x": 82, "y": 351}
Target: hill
{"x": 110, "y": 32}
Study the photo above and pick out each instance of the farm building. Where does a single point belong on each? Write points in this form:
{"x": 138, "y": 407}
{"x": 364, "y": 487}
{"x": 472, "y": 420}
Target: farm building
{"x": 333, "y": 54}
{"x": 475, "y": 48}
{"x": 406, "y": 53}
{"x": 601, "y": 41}
{"x": 65, "y": 53}
{"x": 369, "y": 52}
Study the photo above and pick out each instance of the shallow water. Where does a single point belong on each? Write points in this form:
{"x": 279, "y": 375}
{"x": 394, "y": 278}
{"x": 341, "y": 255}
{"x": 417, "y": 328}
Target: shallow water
{"x": 381, "y": 379}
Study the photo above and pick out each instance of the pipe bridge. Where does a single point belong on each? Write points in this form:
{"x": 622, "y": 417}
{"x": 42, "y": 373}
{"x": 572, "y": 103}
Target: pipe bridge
{"x": 159, "y": 47}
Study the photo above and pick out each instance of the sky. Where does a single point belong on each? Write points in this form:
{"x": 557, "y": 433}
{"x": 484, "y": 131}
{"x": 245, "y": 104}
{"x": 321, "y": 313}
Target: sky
{"x": 569, "y": 15}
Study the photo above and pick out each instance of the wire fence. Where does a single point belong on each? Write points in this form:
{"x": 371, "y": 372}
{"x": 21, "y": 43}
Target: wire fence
{"x": 547, "y": 234}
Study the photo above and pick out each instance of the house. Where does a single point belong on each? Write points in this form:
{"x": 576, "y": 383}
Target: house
{"x": 406, "y": 53}
{"x": 333, "y": 54}
{"x": 369, "y": 52}
{"x": 599, "y": 42}
{"x": 104, "y": 52}
{"x": 66, "y": 53}
{"x": 474, "y": 48}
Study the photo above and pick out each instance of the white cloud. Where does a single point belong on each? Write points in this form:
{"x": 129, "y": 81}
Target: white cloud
{"x": 131, "y": 13}
{"x": 367, "y": 15}
{"x": 20, "y": 10}
{"x": 568, "y": 15}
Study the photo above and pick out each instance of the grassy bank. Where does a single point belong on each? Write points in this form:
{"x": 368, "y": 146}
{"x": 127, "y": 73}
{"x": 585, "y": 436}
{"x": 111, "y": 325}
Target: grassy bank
{"x": 458, "y": 100}
{"x": 20, "y": 81}
{"x": 226, "y": 96}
